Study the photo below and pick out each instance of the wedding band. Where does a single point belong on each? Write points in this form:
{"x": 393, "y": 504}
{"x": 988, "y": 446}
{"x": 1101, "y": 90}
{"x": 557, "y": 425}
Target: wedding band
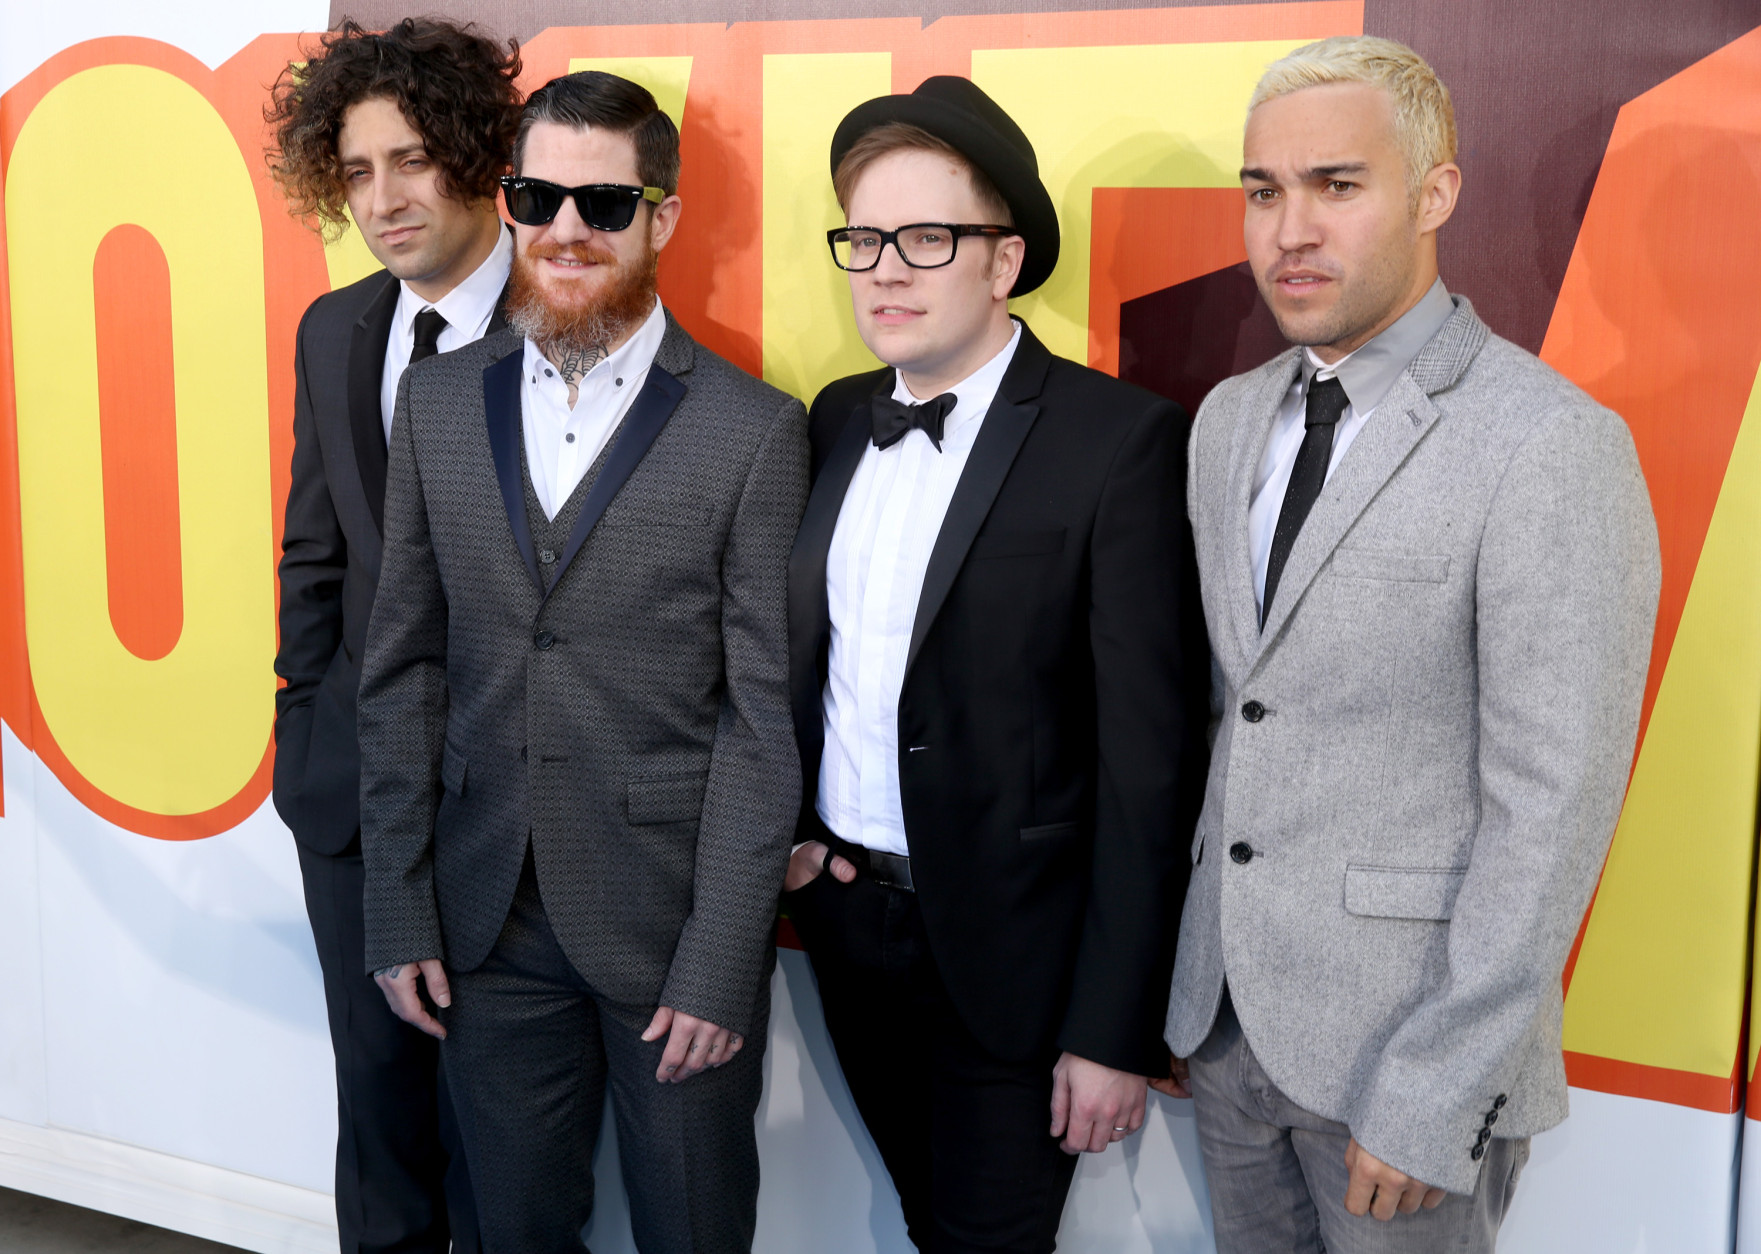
{"x": 1118, "y": 1129}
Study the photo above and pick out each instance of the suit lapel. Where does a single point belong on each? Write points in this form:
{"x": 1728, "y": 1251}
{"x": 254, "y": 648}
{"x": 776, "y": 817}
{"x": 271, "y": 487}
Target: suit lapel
{"x": 810, "y": 615}
{"x": 501, "y": 413}
{"x": 1006, "y": 425}
{"x": 366, "y": 371}
{"x": 1246, "y": 449}
{"x": 660, "y": 395}
{"x": 1402, "y": 418}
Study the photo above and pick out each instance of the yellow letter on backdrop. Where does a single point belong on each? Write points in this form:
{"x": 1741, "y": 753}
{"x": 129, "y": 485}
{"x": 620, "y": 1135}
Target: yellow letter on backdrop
{"x": 183, "y": 734}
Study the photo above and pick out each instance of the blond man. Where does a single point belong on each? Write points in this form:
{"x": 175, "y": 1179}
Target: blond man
{"x": 1430, "y": 571}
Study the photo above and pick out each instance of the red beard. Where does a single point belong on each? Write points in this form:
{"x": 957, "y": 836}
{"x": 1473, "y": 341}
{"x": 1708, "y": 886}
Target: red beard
{"x": 569, "y": 315}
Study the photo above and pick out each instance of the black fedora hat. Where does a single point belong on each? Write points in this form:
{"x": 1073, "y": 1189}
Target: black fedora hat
{"x": 953, "y": 109}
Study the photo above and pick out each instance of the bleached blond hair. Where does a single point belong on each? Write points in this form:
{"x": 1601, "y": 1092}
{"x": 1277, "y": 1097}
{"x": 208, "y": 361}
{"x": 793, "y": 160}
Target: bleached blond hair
{"x": 1424, "y": 116}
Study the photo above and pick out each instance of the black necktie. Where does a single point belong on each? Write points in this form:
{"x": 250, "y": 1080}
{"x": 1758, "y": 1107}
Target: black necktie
{"x": 1326, "y": 403}
{"x": 429, "y": 325}
{"x": 893, "y": 419}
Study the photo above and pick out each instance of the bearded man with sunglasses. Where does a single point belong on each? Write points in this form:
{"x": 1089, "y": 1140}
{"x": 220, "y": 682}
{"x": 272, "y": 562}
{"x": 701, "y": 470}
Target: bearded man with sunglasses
{"x": 1000, "y": 686}
{"x": 579, "y": 782}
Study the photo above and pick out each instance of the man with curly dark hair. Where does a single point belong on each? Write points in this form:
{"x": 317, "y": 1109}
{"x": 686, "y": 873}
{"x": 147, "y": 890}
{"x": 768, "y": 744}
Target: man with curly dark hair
{"x": 406, "y": 131}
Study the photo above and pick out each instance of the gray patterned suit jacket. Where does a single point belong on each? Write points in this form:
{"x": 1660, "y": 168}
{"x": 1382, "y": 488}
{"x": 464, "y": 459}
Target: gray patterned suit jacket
{"x": 634, "y": 719}
{"x": 1421, "y": 759}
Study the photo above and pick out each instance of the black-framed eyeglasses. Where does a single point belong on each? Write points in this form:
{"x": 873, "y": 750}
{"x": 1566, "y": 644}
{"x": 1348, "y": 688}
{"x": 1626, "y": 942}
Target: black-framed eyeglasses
{"x": 602, "y": 206}
{"x": 921, "y": 245}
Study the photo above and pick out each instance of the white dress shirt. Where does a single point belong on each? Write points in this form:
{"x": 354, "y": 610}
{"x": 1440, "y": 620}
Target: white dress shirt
{"x": 887, "y": 527}
{"x": 467, "y": 310}
{"x": 562, "y": 441}
{"x": 1366, "y": 375}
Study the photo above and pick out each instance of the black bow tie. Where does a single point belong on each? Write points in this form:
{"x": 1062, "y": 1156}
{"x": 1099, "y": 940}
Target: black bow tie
{"x": 893, "y": 419}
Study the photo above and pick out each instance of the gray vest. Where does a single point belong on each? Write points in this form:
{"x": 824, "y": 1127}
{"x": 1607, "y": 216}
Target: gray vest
{"x": 550, "y": 536}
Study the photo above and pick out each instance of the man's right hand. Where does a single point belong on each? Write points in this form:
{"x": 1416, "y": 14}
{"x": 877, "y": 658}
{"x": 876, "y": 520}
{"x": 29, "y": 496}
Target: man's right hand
{"x": 808, "y": 863}
{"x": 1178, "y": 1081}
{"x": 399, "y": 986}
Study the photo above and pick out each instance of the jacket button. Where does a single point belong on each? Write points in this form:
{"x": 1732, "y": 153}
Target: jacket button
{"x": 1485, "y": 1135}
{"x": 1491, "y": 1117}
{"x": 1253, "y": 711}
{"x": 1477, "y": 1153}
{"x": 1241, "y": 852}
{"x": 544, "y": 640}
{"x": 1499, "y": 1103}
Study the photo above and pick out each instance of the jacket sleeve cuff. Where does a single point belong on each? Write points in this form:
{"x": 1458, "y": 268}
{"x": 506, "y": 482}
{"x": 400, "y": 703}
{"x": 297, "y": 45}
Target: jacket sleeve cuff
{"x": 411, "y": 944}
{"x": 1442, "y": 1148}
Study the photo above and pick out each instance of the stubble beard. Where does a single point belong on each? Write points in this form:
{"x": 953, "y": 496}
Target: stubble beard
{"x": 1364, "y": 299}
{"x": 568, "y": 323}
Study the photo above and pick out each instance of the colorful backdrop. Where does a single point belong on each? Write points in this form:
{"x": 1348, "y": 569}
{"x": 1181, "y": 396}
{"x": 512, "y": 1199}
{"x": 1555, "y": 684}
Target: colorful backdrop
{"x": 162, "y": 1042}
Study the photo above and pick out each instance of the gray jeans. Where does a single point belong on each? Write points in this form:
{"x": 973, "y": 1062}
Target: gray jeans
{"x": 1277, "y": 1173}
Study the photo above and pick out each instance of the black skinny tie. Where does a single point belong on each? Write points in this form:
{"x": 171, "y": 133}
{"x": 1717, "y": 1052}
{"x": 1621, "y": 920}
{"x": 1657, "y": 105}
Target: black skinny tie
{"x": 1326, "y": 403}
{"x": 429, "y": 325}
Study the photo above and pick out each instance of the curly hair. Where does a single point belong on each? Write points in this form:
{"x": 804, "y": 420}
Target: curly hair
{"x": 453, "y": 83}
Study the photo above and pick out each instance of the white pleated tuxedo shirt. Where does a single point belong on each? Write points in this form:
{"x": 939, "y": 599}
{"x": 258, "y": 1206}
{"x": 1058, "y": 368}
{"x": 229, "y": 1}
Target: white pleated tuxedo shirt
{"x": 467, "y": 310}
{"x": 1366, "y": 375}
{"x": 887, "y": 527}
{"x": 562, "y": 441}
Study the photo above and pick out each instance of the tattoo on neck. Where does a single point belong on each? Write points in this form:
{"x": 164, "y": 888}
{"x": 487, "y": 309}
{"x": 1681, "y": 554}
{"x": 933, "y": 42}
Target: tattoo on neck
{"x": 574, "y": 363}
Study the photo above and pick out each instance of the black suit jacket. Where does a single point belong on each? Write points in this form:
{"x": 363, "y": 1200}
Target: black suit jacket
{"x": 1053, "y": 714}
{"x": 330, "y": 546}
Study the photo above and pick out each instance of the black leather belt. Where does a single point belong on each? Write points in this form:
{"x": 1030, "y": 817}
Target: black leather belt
{"x": 890, "y": 870}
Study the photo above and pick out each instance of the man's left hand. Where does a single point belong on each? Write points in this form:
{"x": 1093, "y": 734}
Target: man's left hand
{"x": 1093, "y": 1106}
{"x": 692, "y": 1046}
{"x": 1377, "y": 1189}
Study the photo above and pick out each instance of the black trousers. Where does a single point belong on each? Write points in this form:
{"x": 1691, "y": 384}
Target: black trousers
{"x": 531, "y": 1051}
{"x": 963, "y": 1133}
{"x": 402, "y": 1186}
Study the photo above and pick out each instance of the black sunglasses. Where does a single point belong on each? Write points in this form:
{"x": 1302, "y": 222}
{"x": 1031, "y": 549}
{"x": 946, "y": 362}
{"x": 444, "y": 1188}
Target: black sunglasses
{"x": 602, "y": 206}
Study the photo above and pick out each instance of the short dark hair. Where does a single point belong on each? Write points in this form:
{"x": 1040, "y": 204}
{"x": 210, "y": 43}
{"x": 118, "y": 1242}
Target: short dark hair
{"x": 453, "y": 83}
{"x": 595, "y": 98}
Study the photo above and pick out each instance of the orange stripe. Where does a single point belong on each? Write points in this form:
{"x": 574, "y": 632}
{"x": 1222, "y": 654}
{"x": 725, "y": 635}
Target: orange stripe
{"x": 1720, "y": 1095}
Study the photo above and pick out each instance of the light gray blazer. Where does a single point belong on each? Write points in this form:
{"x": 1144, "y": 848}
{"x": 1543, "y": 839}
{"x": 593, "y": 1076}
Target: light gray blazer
{"x": 1421, "y": 758}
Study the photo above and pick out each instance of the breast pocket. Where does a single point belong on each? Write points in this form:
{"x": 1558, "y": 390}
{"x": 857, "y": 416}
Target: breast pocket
{"x": 1390, "y": 567}
{"x": 1050, "y": 832}
{"x": 1389, "y": 892}
{"x": 649, "y": 515}
{"x": 991, "y": 544}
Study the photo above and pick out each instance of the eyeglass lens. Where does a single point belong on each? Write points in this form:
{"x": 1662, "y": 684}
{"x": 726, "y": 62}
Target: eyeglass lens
{"x": 920, "y": 246}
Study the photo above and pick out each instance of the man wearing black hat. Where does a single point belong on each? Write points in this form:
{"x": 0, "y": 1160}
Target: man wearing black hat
{"x": 1000, "y": 679}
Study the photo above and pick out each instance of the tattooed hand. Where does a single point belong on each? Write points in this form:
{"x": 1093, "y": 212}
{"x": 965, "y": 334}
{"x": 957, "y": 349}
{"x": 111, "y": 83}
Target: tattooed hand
{"x": 399, "y": 984}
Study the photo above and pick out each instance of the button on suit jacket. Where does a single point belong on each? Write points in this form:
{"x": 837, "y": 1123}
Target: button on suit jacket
{"x": 1052, "y": 716}
{"x": 632, "y": 721}
{"x": 1422, "y": 756}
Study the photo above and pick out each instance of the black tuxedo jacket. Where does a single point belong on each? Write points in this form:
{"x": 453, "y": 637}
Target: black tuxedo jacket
{"x": 1052, "y": 720}
{"x": 330, "y": 546}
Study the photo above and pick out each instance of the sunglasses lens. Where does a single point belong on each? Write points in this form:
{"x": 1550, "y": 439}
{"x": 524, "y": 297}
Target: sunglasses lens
{"x": 607, "y": 208}
{"x": 533, "y": 204}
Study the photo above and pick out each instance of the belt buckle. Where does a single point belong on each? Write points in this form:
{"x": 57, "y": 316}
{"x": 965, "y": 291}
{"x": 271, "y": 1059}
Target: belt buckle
{"x": 890, "y": 870}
